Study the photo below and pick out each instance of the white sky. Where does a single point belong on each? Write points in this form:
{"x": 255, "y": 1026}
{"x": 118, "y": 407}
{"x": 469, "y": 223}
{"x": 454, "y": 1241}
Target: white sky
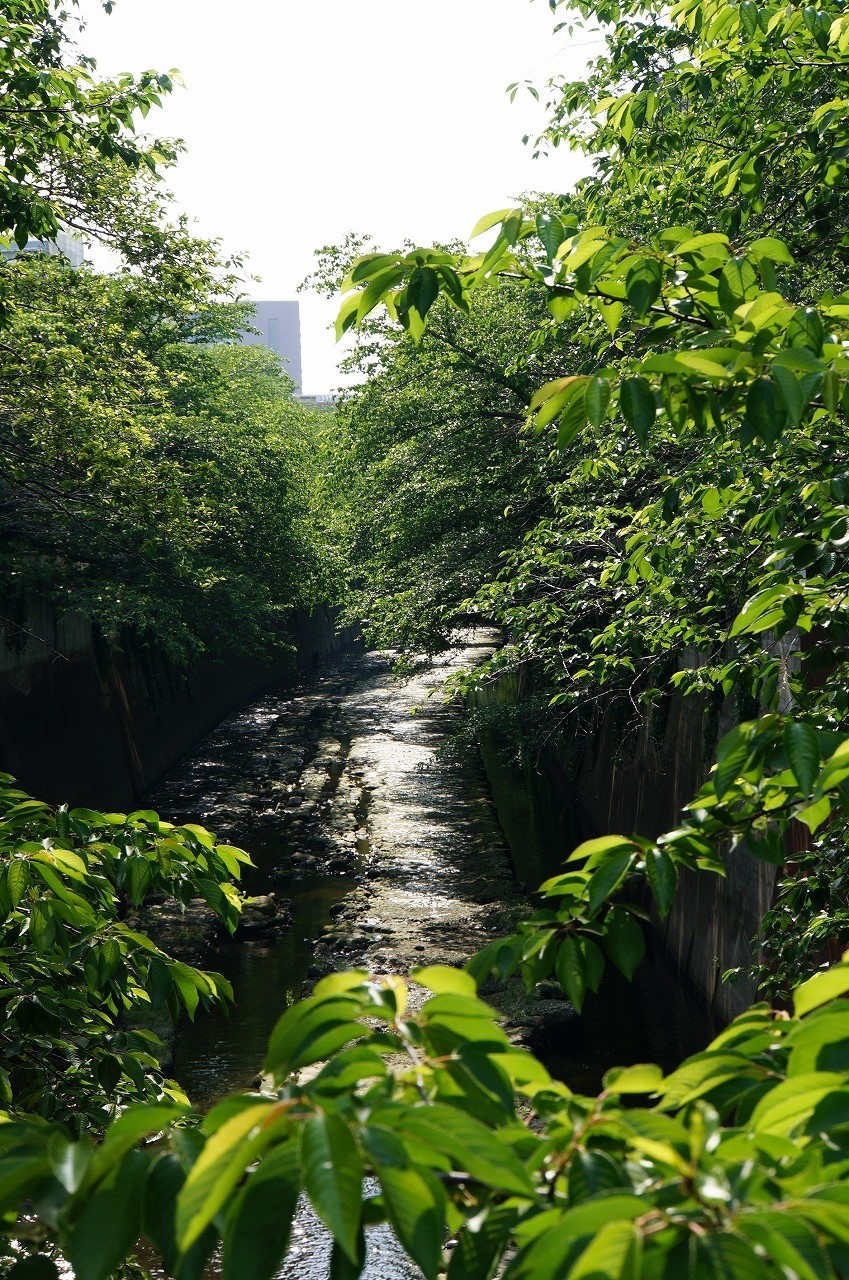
{"x": 306, "y": 120}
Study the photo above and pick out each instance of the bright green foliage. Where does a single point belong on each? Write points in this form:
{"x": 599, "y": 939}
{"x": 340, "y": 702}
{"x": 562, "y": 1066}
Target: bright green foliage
{"x": 431, "y": 468}
{"x": 154, "y": 475}
{"x": 75, "y": 973}
{"x": 58, "y": 117}
{"x": 734, "y": 1164}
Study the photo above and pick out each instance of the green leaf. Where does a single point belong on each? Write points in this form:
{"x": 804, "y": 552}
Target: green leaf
{"x": 738, "y": 282}
{"x": 623, "y": 940}
{"x": 599, "y": 850}
{"x": 814, "y": 815}
{"x": 571, "y": 421}
{"x": 731, "y": 759}
{"x": 591, "y": 1172}
{"x": 769, "y": 247}
{"x": 69, "y": 1160}
{"x": 490, "y": 220}
{"x": 312, "y": 1030}
{"x": 260, "y": 1222}
{"x": 469, "y": 1145}
{"x": 421, "y": 292}
{"x": 637, "y": 402}
{"x": 124, "y": 1133}
{"x": 607, "y": 878}
{"x": 762, "y": 604}
{"x": 333, "y": 1178}
{"x": 220, "y": 1167}
{"x": 552, "y": 398}
{"x": 803, "y": 753}
{"x": 790, "y": 1103}
{"x": 550, "y": 1255}
{"x": 806, "y": 330}
{"x": 641, "y": 1078}
{"x": 572, "y": 972}
{"x": 704, "y": 1073}
{"x": 596, "y": 400}
{"x": 663, "y": 878}
{"x": 18, "y": 881}
{"x": 415, "y": 1203}
{"x": 820, "y": 989}
{"x": 787, "y": 1241}
{"x": 110, "y": 1220}
{"x": 445, "y": 980}
{"x": 643, "y": 284}
{"x": 722, "y": 1256}
{"x": 611, "y": 1253}
{"x": 552, "y": 234}
{"x": 481, "y": 1244}
{"x": 764, "y": 415}
{"x": 791, "y": 391}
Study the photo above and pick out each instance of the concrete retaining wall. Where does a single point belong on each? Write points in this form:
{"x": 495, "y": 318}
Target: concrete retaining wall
{"x": 641, "y": 787}
{"x": 92, "y": 726}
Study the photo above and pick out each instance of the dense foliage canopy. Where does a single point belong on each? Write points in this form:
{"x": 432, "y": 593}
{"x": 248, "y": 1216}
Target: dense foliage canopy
{"x": 154, "y": 468}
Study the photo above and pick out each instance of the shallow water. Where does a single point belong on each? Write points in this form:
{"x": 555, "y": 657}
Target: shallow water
{"x": 339, "y": 775}
{"x": 222, "y": 1053}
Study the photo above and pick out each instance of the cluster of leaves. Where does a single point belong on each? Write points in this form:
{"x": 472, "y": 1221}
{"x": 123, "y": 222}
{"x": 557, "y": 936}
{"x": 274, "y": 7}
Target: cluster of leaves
{"x": 734, "y": 1164}
{"x": 57, "y": 117}
{"x": 430, "y": 467}
{"x": 75, "y": 975}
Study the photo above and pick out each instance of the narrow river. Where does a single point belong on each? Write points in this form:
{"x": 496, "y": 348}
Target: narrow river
{"x": 386, "y": 851}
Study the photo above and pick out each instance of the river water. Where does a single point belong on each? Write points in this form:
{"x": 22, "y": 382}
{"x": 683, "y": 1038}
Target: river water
{"x": 390, "y": 852}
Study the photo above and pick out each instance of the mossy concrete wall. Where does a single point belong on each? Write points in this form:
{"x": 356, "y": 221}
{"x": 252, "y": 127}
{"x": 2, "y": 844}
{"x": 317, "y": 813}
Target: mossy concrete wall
{"x": 87, "y": 724}
{"x": 640, "y": 785}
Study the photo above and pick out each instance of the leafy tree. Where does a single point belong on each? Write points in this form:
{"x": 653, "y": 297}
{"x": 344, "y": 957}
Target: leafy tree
{"x": 154, "y": 467}
{"x": 706, "y": 385}
{"x": 733, "y": 1164}
{"x": 58, "y": 117}
{"x": 694, "y": 540}
{"x": 432, "y": 467}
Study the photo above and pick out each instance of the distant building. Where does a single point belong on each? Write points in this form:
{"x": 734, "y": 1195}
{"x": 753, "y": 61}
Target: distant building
{"x": 279, "y": 325}
{"x": 323, "y": 402}
{"x": 64, "y": 245}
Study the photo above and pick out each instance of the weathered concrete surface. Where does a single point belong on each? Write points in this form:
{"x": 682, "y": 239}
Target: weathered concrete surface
{"x": 84, "y": 723}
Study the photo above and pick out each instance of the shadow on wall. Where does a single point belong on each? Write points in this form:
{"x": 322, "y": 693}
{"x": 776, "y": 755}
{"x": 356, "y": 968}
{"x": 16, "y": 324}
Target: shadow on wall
{"x": 641, "y": 788}
{"x": 92, "y": 726}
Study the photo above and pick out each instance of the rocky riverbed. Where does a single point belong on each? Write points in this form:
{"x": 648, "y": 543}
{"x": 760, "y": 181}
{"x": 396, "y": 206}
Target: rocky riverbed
{"x": 348, "y": 782}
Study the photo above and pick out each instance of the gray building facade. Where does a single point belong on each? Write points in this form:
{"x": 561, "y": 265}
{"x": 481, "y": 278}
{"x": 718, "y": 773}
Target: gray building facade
{"x": 279, "y": 325}
{"x": 64, "y": 245}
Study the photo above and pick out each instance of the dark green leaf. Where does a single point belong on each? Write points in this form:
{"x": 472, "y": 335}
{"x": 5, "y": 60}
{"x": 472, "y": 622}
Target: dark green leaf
{"x": 260, "y": 1223}
{"x": 623, "y": 940}
{"x": 663, "y": 878}
{"x": 108, "y": 1226}
{"x": 636, "y": 399}
{"x": 571, "y": 970}
{"x": 333, "y": 1177}
{"x": 803, "y": 753}
{"x": 738, "y": 282}
{"x": 643, "y": 284}
{"x": 596, "y": 400}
